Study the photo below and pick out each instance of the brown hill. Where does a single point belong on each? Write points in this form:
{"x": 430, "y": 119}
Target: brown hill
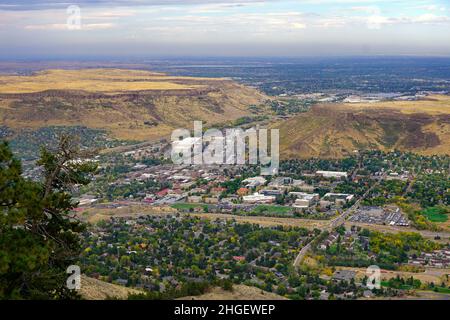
{"x": 334, "y": 131}
{"x": 131, "y": 104}
{"x": 239, "y": 292}
{"x": 93, "y": 289}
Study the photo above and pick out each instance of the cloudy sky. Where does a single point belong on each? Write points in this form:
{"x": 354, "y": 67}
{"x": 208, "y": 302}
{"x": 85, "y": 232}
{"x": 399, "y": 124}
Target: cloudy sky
{"x": 140, "y": 28}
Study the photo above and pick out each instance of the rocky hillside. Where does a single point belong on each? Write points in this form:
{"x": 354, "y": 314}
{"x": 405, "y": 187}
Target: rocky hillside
{"x": 334, "y": 131}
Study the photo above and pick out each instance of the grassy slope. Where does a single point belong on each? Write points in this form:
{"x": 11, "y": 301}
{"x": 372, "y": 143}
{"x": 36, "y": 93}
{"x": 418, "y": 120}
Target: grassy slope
{"x": 93, "y": 289}
{"x": 334, "y": 131}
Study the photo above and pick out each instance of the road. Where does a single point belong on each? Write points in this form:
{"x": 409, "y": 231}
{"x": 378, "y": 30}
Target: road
{"x": 338, "y": 221}
{"x": 301, "y": 255}
{"x": 445, "y": 236}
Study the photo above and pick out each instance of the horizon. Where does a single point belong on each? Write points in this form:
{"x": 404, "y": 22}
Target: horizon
{"x": 219, "y": 58}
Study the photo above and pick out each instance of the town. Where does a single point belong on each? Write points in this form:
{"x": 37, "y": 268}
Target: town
{"x": 227, "y": 224}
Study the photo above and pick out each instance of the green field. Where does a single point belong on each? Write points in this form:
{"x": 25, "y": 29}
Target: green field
{"x": 442, "y": 290}
{"x": 436, "y": 214}
{"x": 271, "y": 209}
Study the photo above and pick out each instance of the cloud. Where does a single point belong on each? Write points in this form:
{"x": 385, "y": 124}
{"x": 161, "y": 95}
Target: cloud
{"x": 429, "y": 18}
{"x": 432, "y": 7}
{"x": 58, "y": 4}
{"x": 64, "y": 26}
{"x": 202, "y": 23}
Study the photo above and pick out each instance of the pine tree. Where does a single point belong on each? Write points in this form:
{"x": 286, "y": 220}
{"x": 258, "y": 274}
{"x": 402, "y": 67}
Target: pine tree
{"x": 39, "y": 234}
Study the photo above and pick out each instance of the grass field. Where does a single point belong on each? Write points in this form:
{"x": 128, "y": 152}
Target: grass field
{"x": 436, "y": 214}
{"x": 271, "y": 209}
{"x": 442, "y": 290}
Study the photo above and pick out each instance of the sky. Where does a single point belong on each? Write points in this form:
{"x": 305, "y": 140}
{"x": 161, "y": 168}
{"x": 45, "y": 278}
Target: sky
{"x": 147, "y": 28}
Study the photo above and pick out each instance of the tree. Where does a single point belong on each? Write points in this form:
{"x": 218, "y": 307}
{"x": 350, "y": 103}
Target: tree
{"x": 227, "y": 285}
{"x": 39, "y": 235}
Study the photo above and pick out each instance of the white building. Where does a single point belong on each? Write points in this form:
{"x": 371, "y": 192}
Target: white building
{"x": 338, "y": 198}
{"x": 302, "y": 204}
{"x": 258, "y": 198}
{"x": 304, "y": 200}
{"x": 332, "y": 174}
{"x": 254, "y": 182}
{"x": 304, "y": 195}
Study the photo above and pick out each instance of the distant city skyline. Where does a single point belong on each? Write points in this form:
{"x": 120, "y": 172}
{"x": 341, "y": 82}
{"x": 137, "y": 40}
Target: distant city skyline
{"x": 116, "y": 28}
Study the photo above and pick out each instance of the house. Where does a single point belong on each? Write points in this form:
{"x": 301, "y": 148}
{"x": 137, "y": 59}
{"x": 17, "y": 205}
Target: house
{"x": 217, "y": 191}
{"x": 211, "y": 200}
{"x": 229, "y": 200}
{"x": 162, "y": 192}
{"x": 238, "y": 258}
{"x": 198, "y": 190}
{"x": 242, "y": 192}
{"x": 149, "y": 198}
{"x": 194, "y": 199}
{"x": 344, "y": 275}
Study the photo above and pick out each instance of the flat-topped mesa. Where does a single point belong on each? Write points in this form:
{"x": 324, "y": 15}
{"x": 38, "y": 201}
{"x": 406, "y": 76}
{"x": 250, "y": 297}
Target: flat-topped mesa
{"x": 102, "y": 81}
{"x": 123, "y": 102}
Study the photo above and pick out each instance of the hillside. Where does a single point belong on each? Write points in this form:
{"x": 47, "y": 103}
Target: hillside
{"x": 93, "y": 289}
{"x": 129, "y": 104}
{"x": 334, "y": 131}
{"x": 240, "y": 292}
